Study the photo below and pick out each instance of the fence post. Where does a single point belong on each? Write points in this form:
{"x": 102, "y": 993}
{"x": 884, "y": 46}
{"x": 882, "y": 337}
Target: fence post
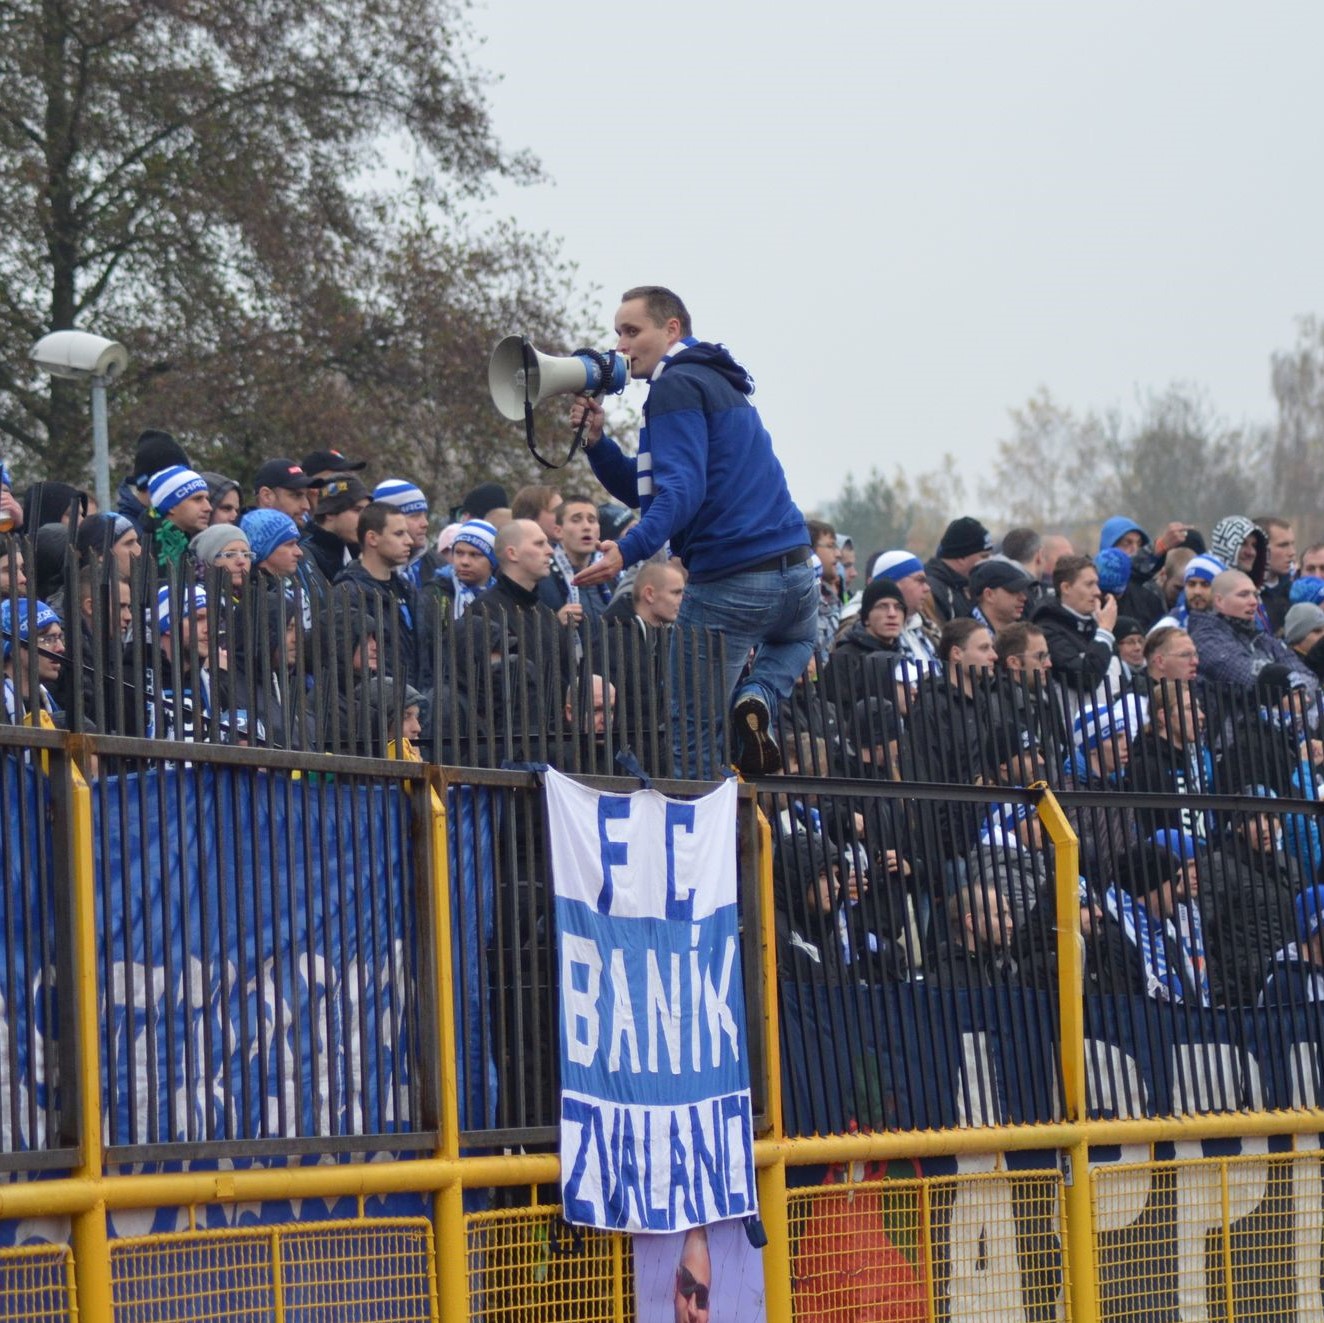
{"x": 1078, "y": 1206}
{"x": 772, "y": 1179}
{"x": 90, "y": 1242}
{"x": 448, "y": 1206}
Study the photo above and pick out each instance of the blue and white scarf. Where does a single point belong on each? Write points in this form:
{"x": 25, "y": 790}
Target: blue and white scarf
{"x": 678, "y": 348}
{"x": 567, "y": 574}
{"x": 1146, "y": 933}
{"x": 465, "y": 594}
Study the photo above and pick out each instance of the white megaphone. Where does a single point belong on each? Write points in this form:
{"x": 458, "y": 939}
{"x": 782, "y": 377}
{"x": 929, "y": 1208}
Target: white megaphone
{"x": 519, "y": 374}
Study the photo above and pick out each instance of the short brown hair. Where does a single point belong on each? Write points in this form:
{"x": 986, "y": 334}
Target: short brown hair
{"x": 1014, "y": 641}
{"x": 662, "y": 305}
{"x": 1069, "y": 569}
{"x": 956, "y": 634}
{"x": 531, "y": 501}
{"x": 373, "y": 517}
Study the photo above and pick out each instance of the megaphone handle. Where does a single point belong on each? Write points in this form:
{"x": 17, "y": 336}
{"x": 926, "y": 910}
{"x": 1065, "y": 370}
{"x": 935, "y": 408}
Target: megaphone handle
{"x": 604, "y": 376}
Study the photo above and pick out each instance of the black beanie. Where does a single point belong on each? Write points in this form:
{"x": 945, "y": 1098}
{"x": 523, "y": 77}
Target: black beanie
{"x": 484, "y": 498}
{"x": 1144, "y": 869}
{"x": 874, "y": 593}
{"x": 964, "y": 537}
{"x": 156, "y": 451}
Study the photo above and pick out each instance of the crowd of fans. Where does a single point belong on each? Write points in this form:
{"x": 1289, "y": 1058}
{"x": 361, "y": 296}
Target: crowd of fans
{"x": 1167, "y": 667}
{"x": 314, "y": 612}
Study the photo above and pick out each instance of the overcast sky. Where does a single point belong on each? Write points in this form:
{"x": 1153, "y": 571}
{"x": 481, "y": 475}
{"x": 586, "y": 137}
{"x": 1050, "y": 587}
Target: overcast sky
{"x": 905, "y": 218}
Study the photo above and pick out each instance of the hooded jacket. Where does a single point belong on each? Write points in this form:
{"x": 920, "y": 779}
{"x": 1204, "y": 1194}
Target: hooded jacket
{"x": 128, "y": 504}
{"x": 1116, "y": 528}
{"x": 705, "y": 477}
{"x": 1227, "y": 537}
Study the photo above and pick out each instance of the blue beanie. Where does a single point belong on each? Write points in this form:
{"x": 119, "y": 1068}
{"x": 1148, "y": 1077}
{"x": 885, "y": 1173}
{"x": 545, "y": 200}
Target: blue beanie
{"x": 45, "y": 616}
{"x": 406, "y": 498}
{"x": 1177, "y": 843}
{"x": 479, "y": 533}
{"x": 1114, "y": 567}
{"x": 267, "y": 530}
{"x": 167, "y": 487}
{"x": 1308, "y": 589}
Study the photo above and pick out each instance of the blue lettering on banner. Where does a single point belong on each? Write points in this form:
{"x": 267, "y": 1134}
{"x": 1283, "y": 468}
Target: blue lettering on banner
{"x": 656, "y": 1116}
{"x": 614, "y": 1157}
{"x": 610, "y": 807}
{"x": 678, "y": 815}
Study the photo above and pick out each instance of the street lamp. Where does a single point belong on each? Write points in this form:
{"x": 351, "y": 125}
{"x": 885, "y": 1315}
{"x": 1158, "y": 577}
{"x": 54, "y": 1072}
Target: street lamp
{"x": 82, "y": 356}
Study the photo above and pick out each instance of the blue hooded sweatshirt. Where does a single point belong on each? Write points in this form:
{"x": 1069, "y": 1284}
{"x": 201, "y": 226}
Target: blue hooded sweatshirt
{"x": 705, "y": 477}
{"x": 1116, "y": 528}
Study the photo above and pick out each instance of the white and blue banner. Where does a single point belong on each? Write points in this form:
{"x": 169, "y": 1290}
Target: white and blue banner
{"x": 657, "y": 1129}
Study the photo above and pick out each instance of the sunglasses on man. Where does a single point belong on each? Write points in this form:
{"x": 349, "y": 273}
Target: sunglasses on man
{"x": 688, "y": 1286}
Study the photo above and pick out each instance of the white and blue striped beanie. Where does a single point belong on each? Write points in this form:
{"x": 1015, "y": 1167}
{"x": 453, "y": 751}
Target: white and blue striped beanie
{"x": 1205, "y": 568}
{"x": 479, "y": 533}
{"x": 167, "y": 487}
{"x": 897, "y": 565}
{"x": 402, "y": 494}
{"x": 192, "y": 601}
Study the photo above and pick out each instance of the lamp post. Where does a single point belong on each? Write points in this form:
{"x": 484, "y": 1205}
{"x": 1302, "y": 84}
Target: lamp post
{"x": 82, "y": 356}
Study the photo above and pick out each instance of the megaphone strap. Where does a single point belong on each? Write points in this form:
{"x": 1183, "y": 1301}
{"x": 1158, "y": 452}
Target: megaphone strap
{"x": 603, "y": 362}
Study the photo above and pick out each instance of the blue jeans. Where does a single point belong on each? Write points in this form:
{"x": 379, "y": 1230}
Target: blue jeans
{"x": 774, "y": 614}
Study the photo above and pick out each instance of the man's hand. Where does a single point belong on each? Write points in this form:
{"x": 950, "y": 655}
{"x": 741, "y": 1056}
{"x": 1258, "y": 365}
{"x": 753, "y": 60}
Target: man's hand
{"x": 608, "y": 567}
{"x": 1106, "y": 615}
{"x": 585, "y": 405}
{"x": 9, "y": 506}
{"x": 571, "y": 613}
{"x": 1172, "y": 536}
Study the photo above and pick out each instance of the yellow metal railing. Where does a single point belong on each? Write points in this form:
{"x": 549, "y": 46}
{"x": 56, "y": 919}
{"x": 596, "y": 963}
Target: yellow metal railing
{"x": 1225, "y": 1238}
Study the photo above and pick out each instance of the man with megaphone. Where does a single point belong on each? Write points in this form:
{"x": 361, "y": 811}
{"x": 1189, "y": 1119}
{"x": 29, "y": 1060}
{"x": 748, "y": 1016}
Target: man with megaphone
{"x": 706, "y": 480}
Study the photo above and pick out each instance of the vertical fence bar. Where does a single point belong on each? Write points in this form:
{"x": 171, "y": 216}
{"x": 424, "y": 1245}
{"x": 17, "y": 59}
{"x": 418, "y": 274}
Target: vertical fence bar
{"x": 448, "y": 1206}
{"x": 1081, "y": 1277}
{"x": 772, "y": 1179}
{"x": 90, "y": 1242}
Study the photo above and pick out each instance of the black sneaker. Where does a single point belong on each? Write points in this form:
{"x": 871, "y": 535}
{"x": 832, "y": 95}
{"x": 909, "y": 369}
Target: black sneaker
{"x": 759, "y": 754}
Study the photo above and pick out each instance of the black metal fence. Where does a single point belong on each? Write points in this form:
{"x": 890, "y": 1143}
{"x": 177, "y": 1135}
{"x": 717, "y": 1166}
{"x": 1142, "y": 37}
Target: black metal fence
{"x": 260, "y": 892}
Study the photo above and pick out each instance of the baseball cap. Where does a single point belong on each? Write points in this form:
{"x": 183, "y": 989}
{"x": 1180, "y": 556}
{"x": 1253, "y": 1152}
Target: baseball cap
{"x": 331, "y": 461}
{"x": 284, "y": 473}
{"x": 999, "y": 574}
{"x": 341, "y": 494}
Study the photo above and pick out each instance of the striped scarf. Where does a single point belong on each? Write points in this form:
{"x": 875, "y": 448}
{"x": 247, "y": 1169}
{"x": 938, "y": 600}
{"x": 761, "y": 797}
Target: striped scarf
{"x": 1146, "y": 933}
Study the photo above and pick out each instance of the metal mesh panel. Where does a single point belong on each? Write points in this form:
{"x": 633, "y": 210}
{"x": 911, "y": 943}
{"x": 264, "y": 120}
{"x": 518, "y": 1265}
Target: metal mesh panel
{"x": 36, "y": 1285}
{"x": 1235, "y": 1239}
{"x": 527, "y": 1264}
{"x": 370, "y": 1271}
{"x": 910, "y": 1250}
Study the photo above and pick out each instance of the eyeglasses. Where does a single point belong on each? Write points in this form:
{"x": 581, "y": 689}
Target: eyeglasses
{"x": 55, "y": 636}
{"x": 688, "y": 1286}
{"x": 234, "y": 555}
